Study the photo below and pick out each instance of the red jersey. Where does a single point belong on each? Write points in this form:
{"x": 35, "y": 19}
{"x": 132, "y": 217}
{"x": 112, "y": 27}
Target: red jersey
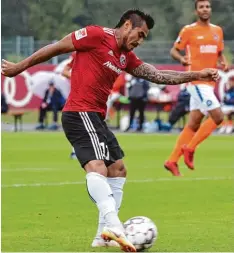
{"x": 97, "y": 64}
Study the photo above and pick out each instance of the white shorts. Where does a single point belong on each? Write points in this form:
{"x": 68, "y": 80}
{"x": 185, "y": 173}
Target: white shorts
{"x": 202, "y": 98}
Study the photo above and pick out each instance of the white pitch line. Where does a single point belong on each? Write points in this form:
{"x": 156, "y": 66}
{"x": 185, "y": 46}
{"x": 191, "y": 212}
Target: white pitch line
{"x": 74, "y": 169}
{"x": 150, "y": 180}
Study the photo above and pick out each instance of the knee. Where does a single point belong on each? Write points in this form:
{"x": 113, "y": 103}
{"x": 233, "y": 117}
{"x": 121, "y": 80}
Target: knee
{"x": 97, "y": 166}
{"x": 218, "y": 119}
{"x": 194, "y": 125}
{"x": 122, "y": 171}
{"x": 117, "y": 169}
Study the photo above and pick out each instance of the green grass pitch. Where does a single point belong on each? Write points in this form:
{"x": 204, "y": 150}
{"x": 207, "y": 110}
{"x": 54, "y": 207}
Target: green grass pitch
{"x": 45, "y": 206}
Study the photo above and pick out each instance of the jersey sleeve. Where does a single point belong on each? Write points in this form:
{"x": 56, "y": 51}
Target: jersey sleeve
{"x": 183, "y": 39}
{"x": 221, "y": 41}
{"x": 87, "y": 38}
{"x": 133, "y": 62}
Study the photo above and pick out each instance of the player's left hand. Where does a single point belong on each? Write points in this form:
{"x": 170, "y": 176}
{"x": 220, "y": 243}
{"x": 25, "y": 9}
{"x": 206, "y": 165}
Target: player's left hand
{"x": 9, "y": 69}
{"x": 209, "y": 74}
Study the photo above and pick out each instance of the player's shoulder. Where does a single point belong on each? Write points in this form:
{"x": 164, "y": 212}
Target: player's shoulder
{"x": 105, "y": 31}
{"x": 94, "y": 31}
{"x": 216, "y": 27}
{"x": 95, "y": 28}
{"x": 109, "y": 31}
{"x": 189, "y": 27}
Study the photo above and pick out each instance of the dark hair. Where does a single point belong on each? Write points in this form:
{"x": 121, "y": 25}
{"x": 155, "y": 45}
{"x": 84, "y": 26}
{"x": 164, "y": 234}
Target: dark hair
{"x": 197, "y": 1}
{"x": 51, "y": 83}
{"x": 136, "y": 17}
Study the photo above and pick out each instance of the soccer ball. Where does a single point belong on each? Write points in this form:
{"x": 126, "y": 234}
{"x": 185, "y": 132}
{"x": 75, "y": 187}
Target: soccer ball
{"x": 141, "y": 232}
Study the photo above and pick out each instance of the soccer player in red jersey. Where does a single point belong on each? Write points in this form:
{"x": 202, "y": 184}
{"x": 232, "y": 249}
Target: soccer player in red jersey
{"x": 101, "y": 55}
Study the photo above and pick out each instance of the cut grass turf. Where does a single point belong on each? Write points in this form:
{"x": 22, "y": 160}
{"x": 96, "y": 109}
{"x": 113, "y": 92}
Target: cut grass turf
{"x": 45, "y": 206}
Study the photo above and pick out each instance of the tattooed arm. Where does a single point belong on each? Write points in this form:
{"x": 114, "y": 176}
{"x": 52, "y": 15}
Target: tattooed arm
{"x": 150, "y": 73}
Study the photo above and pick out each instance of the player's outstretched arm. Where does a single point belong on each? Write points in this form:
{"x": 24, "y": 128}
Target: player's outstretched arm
{"x": 63, "y": 46}
{"x": 150, "y": 73}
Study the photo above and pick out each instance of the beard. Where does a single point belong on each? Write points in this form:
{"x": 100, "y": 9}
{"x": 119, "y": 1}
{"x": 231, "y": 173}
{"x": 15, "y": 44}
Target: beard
{"x": 204, "y": 19}
{"x": 125, "y": 42}
{"x": 124, "y": 45}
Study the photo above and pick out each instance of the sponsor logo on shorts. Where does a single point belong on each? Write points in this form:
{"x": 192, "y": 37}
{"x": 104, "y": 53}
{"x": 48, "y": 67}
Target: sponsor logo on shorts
{"x": 209, "y": 103}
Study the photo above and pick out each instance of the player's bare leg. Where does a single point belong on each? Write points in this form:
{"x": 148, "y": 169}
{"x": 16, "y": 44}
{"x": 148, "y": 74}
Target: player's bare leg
{"x": 205, "y": 130}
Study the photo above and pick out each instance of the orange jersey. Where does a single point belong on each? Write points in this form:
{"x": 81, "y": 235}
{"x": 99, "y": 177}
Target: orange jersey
{"x": 202, "y": 45}
{"x": 118, "y": 84}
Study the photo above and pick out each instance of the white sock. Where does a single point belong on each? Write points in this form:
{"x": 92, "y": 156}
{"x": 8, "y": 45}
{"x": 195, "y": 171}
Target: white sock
{"x": 116, "y": 185}
{"x": 101, "y": 193}
{"x": 73, "y": 150}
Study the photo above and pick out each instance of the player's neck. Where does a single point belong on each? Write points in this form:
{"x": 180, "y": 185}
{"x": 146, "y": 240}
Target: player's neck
{"x": 118, "y": 38}
{"x": 203, "y": 22}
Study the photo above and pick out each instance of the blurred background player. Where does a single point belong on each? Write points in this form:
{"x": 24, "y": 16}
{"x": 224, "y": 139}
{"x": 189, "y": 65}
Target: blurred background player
{"x": 66, "y": 72}
{"x": 228, "y": 108}
{"x": 115, "y": 95}
{"x": 203, "y": 43}
{"x": 138, "y": 97}
{"x": 180, "y": 109}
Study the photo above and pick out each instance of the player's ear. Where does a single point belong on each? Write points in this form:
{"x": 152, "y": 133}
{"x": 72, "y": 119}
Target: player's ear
{"x": 127, "y": 25}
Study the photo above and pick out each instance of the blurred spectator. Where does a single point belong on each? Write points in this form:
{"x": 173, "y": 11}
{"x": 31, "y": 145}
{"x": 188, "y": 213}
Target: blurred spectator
{"x": 228, "y": 108}
{"x": 53, "y": 101}
{"x": 4, "y": 105}
{"x": 138, "y": 99}
{"x": 180, "y": 110}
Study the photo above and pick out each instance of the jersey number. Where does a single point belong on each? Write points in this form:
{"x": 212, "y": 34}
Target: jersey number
{"x": 105, "y": 151}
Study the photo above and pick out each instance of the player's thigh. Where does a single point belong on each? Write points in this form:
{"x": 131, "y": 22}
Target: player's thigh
{"x": 113, "y": 151}
{"x": 117, "y": 169}
{"x": 85, "y": 133}
{"x": 195, "y": 119}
